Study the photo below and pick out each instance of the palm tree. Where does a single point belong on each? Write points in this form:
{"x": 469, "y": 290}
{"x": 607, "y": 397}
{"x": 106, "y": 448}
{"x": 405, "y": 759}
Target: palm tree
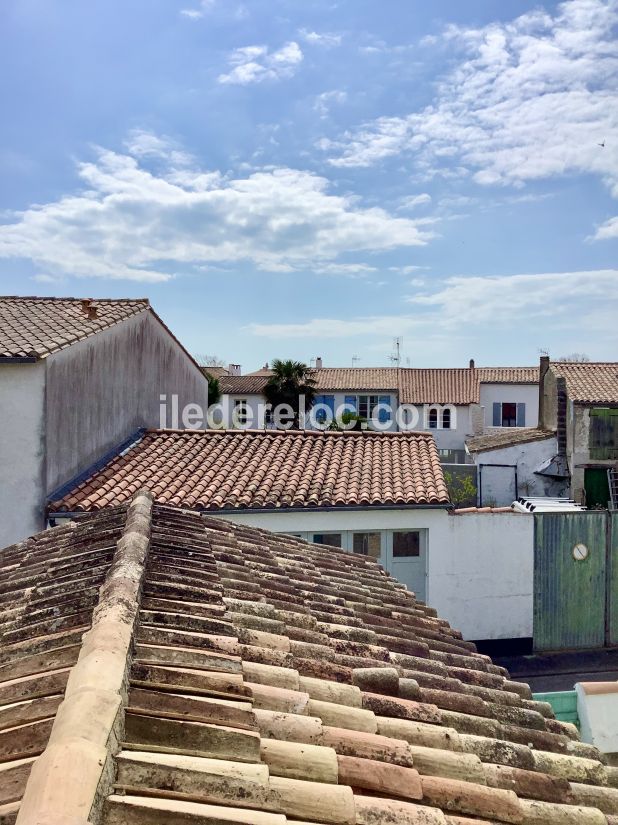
{"x": 290, "y": 381}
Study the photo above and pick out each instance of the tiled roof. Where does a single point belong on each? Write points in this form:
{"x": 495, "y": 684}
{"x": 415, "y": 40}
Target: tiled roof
{"x": 243, "y": 384}
{"x": 357, "y": 378}
{"x": 215, "y": 372}
{"x": 37, "y": 327}
{"x": 506, "y": 437}
{"x": 458, "y": 386}
{"x": 254, "y": 678}
{"x": 589, "y": 383}
{"x": 242, "y": 469}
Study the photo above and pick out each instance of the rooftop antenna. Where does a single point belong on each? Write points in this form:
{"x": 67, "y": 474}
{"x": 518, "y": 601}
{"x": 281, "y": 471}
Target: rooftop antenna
{"x": 312, "y": 362}
{"x": 395, "y": 357}
{"x": 355, "y": 360}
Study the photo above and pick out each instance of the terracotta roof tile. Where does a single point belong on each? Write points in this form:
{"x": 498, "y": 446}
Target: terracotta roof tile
{"x": 215, "y": 469}
{"x": 225, "y": 723}
{"x": 243, "y": 384}
{"x": 589, "y": 383}
{"x": 357, "y": 378}
{"x": 506, "y": 437}
{"x": 37, "y": 327}
{"x": 458, "y": 386}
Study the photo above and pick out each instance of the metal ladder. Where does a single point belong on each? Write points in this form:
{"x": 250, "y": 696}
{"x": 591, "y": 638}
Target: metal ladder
{"x": 612, "y": 477}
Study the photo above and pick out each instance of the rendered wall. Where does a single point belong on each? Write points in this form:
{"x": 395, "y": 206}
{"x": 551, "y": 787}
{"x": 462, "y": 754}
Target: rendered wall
{"x": 527, "y": 394}
{"x": 102, "y": 389}
{"x": 22, "y": 451}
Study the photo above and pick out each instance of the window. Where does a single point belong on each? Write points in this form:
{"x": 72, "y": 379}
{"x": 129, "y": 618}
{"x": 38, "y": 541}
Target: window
{"x": 509, "y": 414}
{"x": 367, "y": 544}
{"x": 406, "y": 544}
{"x": 366, "y": 406}
{"x": 433, "y": 419}
{"x": 446, "y": 418}
{"x": 321, "y": 415}
{"x": 240, "y": 413}
{"x": 331, "y": 539}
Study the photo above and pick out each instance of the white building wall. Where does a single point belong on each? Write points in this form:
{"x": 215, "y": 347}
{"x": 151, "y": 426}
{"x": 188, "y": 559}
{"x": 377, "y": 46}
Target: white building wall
{"x": 481, "y": 575}
{"x": 479, "y": 570}
{"x": 527, "y": 394}
{"x": 22, "y": 451}
{"x": 497, "y": 483}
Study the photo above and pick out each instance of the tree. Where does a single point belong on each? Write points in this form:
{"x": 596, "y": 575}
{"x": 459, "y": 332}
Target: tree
{"x": 575, "y": 358}
{"x": 214, "y": 389}
{"x": 290, "y": 381}
{"x": 209, "y": 360}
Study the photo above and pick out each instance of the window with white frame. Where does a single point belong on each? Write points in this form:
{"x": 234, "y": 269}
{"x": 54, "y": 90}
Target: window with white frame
{"x": 371, "y": 406}
{"x": 446, "y": 418}
{"x": 240, "y": 413}
{"x": 330, "y": 539}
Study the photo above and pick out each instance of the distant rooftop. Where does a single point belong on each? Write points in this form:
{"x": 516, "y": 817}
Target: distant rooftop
{"x": 589, "y": 382}
{"x": 506, "y": 437}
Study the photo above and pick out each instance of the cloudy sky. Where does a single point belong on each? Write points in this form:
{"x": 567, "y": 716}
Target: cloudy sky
{"x": 301, "y": 179}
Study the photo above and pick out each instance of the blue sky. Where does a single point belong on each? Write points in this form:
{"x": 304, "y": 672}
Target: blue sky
{"x": 289, "y": 179}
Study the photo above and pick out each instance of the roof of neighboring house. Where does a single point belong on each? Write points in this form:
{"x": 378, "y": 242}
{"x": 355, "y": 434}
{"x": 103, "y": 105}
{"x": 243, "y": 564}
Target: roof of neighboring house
{"x": 458, "y": 385}
{"x": 589, "y": 383}
{"x": 38, "y": 327}
{"x": 265, "y": 469}
{"x": 357, "y": 378}
{"x": 415, "y": 386}
{"x": 243, "y": 384}
{"x": 262, "y": 371}
{"x": 256, "y": 678}
{"x": 506, "y": 437}
{"x": 215, "y": 372}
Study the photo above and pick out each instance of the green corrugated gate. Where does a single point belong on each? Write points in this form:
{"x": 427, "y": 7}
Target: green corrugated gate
{"x": 572, "y": 581}
{"x": 612, "y": 583}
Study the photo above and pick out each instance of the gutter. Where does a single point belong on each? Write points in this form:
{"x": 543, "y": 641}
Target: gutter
{"x": 228, "y": 511}
{"x": 19, "y": 359}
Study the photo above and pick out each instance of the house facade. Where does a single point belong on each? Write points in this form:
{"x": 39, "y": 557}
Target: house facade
{"x": 451, "y": 403}
{"x": 78, "y": 378}
{"x": 579, "y": 402}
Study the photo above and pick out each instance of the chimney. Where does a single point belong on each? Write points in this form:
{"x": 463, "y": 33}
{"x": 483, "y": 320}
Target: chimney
{"x": 85, "y": 305}
{"x": 472, "y": 363}
{"x": 543, "y": 368}
{"x": 318, "y": 363}
{"x": 234, "y": 369}
{"x": 92, "y": 312}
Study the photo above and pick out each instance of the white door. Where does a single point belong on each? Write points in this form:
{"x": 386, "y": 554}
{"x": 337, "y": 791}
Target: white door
{"x": 406, "y": 559}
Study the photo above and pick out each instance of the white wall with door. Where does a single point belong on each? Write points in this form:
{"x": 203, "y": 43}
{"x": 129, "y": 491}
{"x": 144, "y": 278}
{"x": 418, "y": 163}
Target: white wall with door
{"x": 510, "y": 405}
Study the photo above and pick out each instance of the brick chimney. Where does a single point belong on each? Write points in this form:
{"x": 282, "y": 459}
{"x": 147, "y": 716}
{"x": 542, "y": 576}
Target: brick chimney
{"x": 92, "y": 312}
{"x": 543, "y": 369}
{"x": 85, "y": 305}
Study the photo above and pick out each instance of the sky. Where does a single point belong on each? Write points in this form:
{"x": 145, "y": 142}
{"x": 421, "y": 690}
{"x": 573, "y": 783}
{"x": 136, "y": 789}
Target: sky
{"x": 293, "y": 180}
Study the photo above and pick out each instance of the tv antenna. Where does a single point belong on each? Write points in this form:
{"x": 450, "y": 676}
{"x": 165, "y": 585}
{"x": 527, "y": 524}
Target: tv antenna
{"x": 355, "y": 360}
{"x": 395, "y": 357}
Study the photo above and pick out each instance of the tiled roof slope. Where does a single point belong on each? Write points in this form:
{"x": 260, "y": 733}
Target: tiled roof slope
{"x": 243, "y": 384}
{"x": 457, "y": 386}
{"x": 357, "y": 378}
{"x": 270, "y": 681}
{"x": 38, "y": 327}
{"x": 589, "y": 383}
{"x": 49, "y": 586}
{"x": 215, "y": 372}
{"x": 215, "y": 469}
{"x": 506, "y": 437}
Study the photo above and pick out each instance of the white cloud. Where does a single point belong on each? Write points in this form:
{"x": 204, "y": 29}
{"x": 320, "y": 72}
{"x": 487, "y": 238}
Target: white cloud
{"x": 529, "y": 99}
{"x": 607, "y": 230}
{"x": 499, "y": 299}
{"x": 412, "y": 201}
{"x": 131, "y": 222}
{"x": 255, "y": 64}
{"x": 326, "y": 39}
{"x": 352, "y": 270}
{"x": 324, "y": 101}
{"x": 196, "y": 14}
{"x": 486, "y": 304}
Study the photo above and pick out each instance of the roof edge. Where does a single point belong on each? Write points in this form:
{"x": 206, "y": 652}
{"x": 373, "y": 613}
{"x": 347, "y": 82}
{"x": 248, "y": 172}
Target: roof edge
{"x": 75, "y": 771}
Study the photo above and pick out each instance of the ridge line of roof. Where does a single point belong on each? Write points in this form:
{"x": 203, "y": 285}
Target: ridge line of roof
{"x": 74, "y": 298}
{"x": 282, "y": 433}
{"x": 70, "y": 775}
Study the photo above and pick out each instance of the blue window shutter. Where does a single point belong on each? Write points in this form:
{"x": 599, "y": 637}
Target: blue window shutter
{"x": 384, "y": 415}
{"x": 351, "y": 400}
{"x": 329, "y": 400}
{"x": 497, "y": 414}
{"x": 521, "y": 415}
